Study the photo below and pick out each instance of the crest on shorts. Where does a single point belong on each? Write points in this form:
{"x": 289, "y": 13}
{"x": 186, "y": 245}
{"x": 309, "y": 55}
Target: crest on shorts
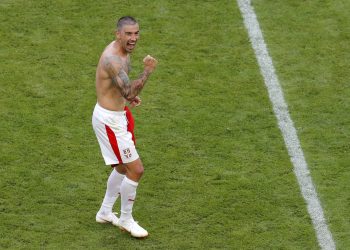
{"x": 127, "y": 153}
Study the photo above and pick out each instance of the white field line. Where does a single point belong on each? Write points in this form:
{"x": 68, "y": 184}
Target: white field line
{"x": 286, "y": 126}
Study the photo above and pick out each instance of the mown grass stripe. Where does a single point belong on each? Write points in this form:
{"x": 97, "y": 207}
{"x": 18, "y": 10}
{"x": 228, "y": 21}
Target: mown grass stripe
{"x": 286, "y": 126}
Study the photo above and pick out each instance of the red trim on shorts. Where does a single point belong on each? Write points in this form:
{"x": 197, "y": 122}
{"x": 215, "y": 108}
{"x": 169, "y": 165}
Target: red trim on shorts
{"x": 113, "y": 141}
{"x": 131, "y": 123}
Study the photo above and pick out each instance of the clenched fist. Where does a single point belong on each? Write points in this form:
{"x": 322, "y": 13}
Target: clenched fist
{"x": 150, "y": 63}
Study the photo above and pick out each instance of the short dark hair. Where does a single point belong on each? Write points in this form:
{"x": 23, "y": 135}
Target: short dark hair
{"x": 125, "y": 20}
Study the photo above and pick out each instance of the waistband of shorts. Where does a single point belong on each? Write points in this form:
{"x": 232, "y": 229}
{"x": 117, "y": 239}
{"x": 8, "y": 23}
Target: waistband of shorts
{"x": 107, "y": 111}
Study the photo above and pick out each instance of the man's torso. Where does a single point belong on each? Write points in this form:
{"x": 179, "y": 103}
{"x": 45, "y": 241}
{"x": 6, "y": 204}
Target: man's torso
{"x": 108, "y": 94}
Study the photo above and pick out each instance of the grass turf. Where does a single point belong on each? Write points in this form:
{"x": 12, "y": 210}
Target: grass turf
{"x": 311, "y": 53}
{"x": 217, "y": 172}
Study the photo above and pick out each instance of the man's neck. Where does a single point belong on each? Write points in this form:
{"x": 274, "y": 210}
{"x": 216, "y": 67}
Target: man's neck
{"x": 120, "y": 51}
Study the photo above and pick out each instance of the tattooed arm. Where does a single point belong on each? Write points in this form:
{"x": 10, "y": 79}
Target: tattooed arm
{"x": 128, "y": 89}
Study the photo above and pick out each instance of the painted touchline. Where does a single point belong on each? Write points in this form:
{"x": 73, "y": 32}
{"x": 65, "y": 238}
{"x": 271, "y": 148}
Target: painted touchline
{"x": 286, "y": 126}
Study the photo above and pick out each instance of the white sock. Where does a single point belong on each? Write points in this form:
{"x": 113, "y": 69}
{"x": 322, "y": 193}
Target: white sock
{"x": 128, "y": 194}
{"x": 112, "y": 192}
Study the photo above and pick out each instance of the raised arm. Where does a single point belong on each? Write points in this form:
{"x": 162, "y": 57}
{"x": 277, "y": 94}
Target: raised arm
{"x": 128, "y": 89}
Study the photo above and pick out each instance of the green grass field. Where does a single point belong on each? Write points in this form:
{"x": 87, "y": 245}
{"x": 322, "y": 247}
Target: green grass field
{"x": 217, "y": 173}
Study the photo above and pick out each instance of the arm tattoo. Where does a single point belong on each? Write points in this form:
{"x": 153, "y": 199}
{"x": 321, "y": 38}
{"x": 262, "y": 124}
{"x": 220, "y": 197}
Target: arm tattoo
{"x": 123, "y": 76}
{"x": 110, "y": 60}
{"x": 128, "y": 89}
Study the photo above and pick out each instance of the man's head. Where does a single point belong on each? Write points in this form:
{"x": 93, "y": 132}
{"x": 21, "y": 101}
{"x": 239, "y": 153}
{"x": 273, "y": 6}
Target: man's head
{"x": 127, "y": 33}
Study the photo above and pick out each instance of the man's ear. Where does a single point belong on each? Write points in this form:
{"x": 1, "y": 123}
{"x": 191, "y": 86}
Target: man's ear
{"x": 117, "y": 34}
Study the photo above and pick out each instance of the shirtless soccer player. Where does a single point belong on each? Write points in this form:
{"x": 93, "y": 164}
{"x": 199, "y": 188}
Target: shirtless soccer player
{"x": 113, "y": 124}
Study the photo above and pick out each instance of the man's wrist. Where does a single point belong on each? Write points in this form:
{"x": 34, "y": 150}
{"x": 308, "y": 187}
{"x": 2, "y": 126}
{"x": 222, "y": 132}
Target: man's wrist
{"x": 147, "y": 72}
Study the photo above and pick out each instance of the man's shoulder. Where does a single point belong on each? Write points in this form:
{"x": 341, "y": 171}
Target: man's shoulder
{"x": 110, "y": 59}
{"x": 111, "y": 56}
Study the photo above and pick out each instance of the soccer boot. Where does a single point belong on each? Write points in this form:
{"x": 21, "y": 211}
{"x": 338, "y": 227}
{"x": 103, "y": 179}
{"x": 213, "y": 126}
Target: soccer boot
{"x": 107, "y": 218}
{"x": 133, "y": 228}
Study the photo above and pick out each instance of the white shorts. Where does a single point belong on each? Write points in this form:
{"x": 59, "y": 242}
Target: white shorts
{"x": 116, "y": 142}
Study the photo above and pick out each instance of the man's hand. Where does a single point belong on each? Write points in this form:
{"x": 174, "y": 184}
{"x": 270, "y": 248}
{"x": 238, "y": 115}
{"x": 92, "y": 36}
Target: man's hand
{"x": 150, "y": 63}
{"x": 135, "y": 102}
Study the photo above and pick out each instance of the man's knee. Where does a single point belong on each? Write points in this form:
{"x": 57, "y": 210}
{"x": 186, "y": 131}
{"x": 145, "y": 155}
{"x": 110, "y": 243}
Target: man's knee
{"x": 139, "y": 170}
{"x": 135, "y": 169}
